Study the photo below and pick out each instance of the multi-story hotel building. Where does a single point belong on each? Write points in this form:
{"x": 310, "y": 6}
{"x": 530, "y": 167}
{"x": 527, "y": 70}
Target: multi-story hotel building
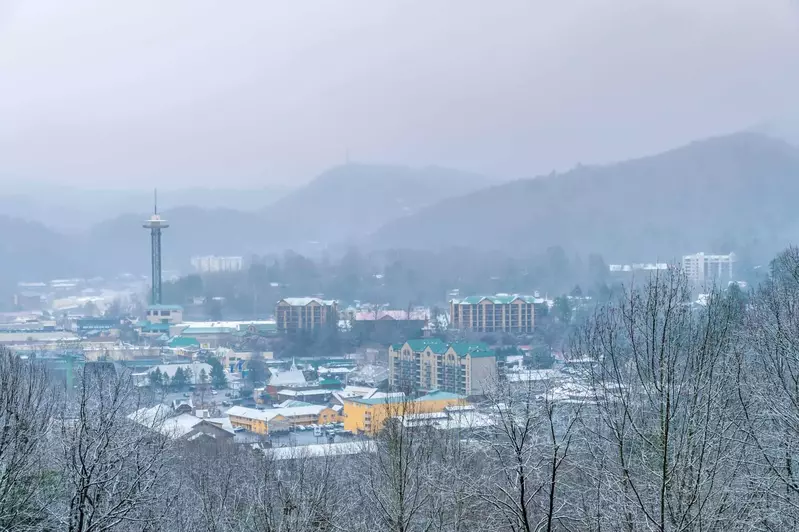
{"x": 500, "y": 313}
{"x": 305, "y": 314}
{"x": 704, "y": 268}
{"x": 430, "y": 364}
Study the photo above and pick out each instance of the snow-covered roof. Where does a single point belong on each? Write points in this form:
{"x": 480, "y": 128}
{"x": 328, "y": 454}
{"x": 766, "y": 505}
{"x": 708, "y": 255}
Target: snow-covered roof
{"x": 287, "y": 378}
{"x": 397, "y": 315}
{"x": 303, "y": 301}
{"x": 533, "y": 375}
{"x": 271, "y": 413}
{"x": 321, "y": 450}
{"x": 294, "y": 393}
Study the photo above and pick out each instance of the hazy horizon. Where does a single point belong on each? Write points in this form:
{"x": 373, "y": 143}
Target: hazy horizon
{"x": 183, "y": 94}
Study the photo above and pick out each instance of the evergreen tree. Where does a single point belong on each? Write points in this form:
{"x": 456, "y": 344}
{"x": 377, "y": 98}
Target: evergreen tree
{"x": 218, "y": 377}
{"x": 179, "y": 381}
{"x": 156, "y": 378}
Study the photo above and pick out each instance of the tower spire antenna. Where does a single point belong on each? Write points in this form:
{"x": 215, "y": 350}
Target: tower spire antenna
{"x": 155, "y": 201}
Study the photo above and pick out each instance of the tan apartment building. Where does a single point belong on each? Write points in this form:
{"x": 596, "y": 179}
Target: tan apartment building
{"x": 280, "y": 419}
{"x": 305, "y": 314}
{"x": 431, "y": 364}
{"x": 487, "y": 314}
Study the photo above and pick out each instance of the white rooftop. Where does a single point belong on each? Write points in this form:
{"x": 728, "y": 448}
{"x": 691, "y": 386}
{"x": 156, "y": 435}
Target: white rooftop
{"x": 271, "y": 413}
{"x": 321, "y": 450}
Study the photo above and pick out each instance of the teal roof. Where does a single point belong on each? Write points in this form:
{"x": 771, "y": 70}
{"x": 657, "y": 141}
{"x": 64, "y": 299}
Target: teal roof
{"x": 259, "y": 327}
{"x": 378, "y": 400}
{"x": 483, "y": 354}
{"x": 154, "y": 327}
{"x": 292, "y": 403}
{"x": 462, "y": 348}
{"x": 396, "y": 347}
{"x": 184, "y": 341}
{"x": 473, "y": 349}
{"x": 208, "y": 330}
{"x": 497, "y": 300}
{"x": 330, "y": 382}
{"x": 435, "y": 344}
{"x": 164, "y": 307}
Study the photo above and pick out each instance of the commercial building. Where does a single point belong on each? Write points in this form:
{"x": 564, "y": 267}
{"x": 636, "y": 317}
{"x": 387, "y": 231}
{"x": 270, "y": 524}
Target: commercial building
{"x": 499, "y": 313}
{"x": 212, "y": 263}
{"x": 368, "y": 414}
{"x": 280, "y": 419}
{"x": 305, "y": 314}
{"x": 707, "y": 269}
{"x": 379, "y": 325}
{"x": 431, "y": 364}
{"x": 164, "y": 314}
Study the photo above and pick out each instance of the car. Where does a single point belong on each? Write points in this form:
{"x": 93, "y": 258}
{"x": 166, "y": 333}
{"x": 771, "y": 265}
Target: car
{"x": 238, "y": 429}
{"x": 186, "y": 395}
{"x": 214, "y": 392}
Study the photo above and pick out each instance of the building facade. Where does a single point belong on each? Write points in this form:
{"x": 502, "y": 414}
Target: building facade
{"x": 212, "y": 263}
{"x": 488, "y": 314}
{"x": 368, "y": 415}
{"x": 305, "y": 314}
{"x": 430, "y": 364}
{"x": 707, "y": 269}
{"x": 280, "y": 419}
{"x": 164, "y": 314}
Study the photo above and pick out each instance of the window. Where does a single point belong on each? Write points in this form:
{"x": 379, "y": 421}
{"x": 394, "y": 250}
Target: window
{"x": 164, "y": 313}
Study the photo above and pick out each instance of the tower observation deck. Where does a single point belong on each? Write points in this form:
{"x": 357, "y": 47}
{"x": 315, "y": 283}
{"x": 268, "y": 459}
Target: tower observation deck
{"x": 155, "y": 224}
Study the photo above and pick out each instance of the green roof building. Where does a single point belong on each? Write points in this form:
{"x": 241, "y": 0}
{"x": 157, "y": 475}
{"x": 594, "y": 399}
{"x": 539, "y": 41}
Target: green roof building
{"x": 463, "y": 368}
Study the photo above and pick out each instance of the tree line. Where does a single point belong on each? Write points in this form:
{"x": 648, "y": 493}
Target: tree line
{"x": 398, "y": 278}
{"x": 678, "y": 417}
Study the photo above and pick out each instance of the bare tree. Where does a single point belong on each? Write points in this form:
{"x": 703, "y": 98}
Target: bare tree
{"x": 662, "y": 448}
{"x": 295, "y": 491}
{"x": 769, "y": 389}
{"x": 114, "y": 456}
{"x": 525, "y": 448}
{"x": 26, "y": 406}
{"x": 394, "y": 481}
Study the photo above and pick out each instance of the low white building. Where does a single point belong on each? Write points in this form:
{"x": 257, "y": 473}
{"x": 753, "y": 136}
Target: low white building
{"x": 213, "y": 263}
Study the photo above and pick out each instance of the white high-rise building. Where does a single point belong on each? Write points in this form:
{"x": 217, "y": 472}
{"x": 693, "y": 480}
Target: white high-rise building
{"x": 212, "y": 263}
{"x": 705, "y": 269}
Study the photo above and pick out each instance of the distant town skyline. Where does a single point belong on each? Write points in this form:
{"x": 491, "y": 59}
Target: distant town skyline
{"x": 137, "y": 94}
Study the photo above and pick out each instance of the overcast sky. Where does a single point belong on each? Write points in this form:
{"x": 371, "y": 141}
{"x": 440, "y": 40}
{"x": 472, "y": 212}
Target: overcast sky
{"x": 130, "y": 93}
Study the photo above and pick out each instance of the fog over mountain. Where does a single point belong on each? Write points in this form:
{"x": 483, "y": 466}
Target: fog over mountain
{"x": 73, "y": 210}
{"x": 721, "y": 194}
{"x": 730, "y": 193}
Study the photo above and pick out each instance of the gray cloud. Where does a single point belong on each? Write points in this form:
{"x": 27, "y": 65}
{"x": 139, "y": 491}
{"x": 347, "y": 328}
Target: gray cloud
{"x": 131, "y": 93}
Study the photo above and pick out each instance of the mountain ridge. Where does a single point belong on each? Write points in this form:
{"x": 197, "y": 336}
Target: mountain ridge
{"x": 621, "y": 209}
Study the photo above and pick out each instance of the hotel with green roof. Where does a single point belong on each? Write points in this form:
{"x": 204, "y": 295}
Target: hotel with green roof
{"x": 513, "y": 314}
{"x": 431, "y": 364}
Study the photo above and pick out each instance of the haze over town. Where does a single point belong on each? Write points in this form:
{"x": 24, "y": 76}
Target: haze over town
{"x": 399, "y": 266}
